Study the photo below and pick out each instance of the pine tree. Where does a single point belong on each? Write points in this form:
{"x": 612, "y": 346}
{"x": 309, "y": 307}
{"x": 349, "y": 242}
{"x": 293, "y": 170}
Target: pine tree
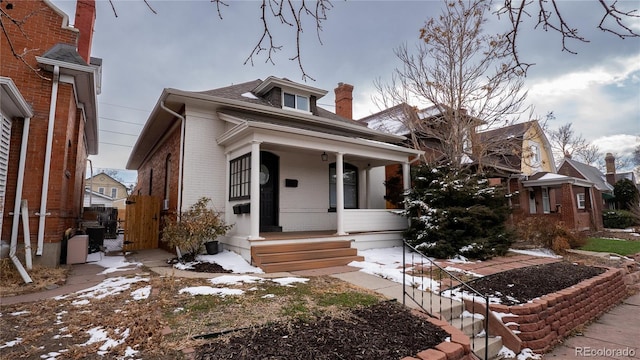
{"x": 456, "y": 212}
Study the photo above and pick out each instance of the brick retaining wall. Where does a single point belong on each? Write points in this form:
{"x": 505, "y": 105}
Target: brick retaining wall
{"x": 540, "y": 324}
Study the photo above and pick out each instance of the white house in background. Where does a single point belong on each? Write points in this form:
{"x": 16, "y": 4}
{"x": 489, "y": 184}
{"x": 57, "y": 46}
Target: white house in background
{"x": 94, "y": 198}
{"x": 282, "y": 169}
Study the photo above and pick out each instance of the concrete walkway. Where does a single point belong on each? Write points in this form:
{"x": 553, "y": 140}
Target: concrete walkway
{"x": 614, "y": 335}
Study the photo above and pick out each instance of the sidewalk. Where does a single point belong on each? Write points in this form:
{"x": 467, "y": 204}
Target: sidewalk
{"x": 614, "y": 335}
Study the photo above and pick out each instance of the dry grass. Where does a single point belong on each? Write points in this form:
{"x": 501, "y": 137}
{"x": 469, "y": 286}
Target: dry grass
{"x": 11, "y": 283}
{"x": 64, "y": 325}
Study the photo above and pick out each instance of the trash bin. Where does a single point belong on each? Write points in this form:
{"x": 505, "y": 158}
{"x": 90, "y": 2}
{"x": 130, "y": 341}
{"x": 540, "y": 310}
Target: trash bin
{"x": 96, "y": 238}
{"x": 212, "y": 247}
{"x": 77, "y": 249}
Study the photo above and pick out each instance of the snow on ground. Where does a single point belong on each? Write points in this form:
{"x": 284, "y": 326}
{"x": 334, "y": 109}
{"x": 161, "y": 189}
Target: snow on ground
{"x": 110, "y": 286}
{"x": 229, "y": 260}
{"x": 111, "y": 263}
{"x": 387, "y": 263}
{"x": 537, "y": 252}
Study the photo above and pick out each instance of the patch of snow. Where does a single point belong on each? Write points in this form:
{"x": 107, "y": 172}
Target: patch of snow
{"x": 468, "y": 272}
{"x": 528, "y": 354}
{"x": 287, "y": 281}
{"x": 18, "y": 313}
{"x": 11, "y": 343}
{"x": 500, "y": 315}
{"x": 467, "y": 314}
{"x": 178, "y": 309}
{"x": 53, "y": 355}
{"x": 112, "y": 263}
{"x": 542, "y": 252}
{"x": 235, "y": 279}
{"x": 230, "y": 260}
{"x": 110, "y": 286}
{"x": 506, "y": 353}
{"x": 268, "y": 296}
{"x": 141, "y": 293}
{"x": 394, "y": 273}
{"x": 129, "y": 352}
{"x": 459, "y": 259}
{"x": 208, "y": 290}
{"x": 249, "y": 95}
{"x": 80, "y": 302}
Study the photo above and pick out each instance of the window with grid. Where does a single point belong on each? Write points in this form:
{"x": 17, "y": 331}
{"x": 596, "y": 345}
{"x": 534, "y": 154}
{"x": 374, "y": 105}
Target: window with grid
{"x": 114, "y": 192}
{"x": 240, "y": 177}
{"x": 581, "y": 201}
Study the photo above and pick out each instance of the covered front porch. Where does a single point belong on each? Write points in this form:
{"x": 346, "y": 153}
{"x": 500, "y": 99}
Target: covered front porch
{"x": 565, "y": 199}
{"x": 303, "y": 186}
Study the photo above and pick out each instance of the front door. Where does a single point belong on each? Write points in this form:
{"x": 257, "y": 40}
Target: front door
{"x": 269, "y": 166}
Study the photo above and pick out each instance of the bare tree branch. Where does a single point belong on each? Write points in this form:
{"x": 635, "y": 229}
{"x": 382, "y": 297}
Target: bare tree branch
{"x": 17, "y": 24}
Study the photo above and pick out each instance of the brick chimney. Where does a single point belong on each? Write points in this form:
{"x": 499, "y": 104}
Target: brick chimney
{"x": 610, "y": 163}
{"x": 85, "y": 20}
{"x": 567, "y": 154}
{"x": 344, "y": 100}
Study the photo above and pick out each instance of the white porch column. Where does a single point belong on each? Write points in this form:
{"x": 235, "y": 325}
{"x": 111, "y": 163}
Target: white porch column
{"x": 340, "y": 194}
{"x": 367, "y": 175}
{"x": 406, "y": 176}
{"x": 255, "y": 191}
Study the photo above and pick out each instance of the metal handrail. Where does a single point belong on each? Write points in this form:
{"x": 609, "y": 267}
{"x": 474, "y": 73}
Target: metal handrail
{"x": 440, "y": 271}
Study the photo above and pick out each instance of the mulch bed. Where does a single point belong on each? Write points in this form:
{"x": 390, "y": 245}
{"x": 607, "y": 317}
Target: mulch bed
{"x": 207, "y": 267}
{"x": 386, "y": 330}
{"x": 521, "y": 285}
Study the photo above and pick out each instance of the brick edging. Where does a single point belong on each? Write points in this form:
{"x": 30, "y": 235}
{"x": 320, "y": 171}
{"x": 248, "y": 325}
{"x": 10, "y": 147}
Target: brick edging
{"x": 459, "y": 348}
{"x": 543, "y": 322}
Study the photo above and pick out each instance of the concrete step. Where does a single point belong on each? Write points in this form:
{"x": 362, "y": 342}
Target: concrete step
{"x": 469, "y": 326}
{"x": 478, "y": 346}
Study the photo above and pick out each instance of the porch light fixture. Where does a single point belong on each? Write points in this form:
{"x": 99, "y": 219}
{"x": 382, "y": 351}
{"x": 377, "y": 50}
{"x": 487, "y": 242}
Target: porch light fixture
{"x": 324, "y": 156}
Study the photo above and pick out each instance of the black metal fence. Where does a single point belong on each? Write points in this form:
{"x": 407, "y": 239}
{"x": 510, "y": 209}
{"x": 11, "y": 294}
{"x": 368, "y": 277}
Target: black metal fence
{"x": 428, "y": 281}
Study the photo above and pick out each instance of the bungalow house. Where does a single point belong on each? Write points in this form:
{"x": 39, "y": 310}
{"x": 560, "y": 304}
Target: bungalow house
{"x": 49, "y": 119}
{"x": 283, "y": 170}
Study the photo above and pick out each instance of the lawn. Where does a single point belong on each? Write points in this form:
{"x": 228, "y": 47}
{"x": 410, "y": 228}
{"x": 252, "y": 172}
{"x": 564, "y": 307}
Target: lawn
{"x": 622, "y": 247}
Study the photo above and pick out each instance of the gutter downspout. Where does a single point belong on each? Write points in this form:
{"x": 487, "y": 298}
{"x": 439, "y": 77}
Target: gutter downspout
{"x": 90, "y": 183}
{"x": 18, "y": 201}
{"x": 180, "y": 165}
{"x": 47, "y": 160}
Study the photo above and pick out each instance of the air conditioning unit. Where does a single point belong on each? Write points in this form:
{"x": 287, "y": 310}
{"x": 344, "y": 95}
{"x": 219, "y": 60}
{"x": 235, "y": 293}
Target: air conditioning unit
{"x": 165, "y": 204}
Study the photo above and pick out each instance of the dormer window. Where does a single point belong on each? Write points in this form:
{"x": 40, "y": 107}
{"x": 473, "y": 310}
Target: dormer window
{"x": 294, "y": 101}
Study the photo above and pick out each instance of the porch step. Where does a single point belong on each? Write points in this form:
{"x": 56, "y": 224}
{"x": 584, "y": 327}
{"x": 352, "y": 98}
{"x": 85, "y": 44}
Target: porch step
{"x": 303, "y": 256}
{"x": 495, "y": 345}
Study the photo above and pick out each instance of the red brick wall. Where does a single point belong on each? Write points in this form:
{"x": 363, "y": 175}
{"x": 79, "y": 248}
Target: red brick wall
{"x": 157, "y": 163}
{"x": 43, "y": 30}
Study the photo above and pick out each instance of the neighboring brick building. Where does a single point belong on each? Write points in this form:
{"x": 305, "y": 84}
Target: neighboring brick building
{"x": 46, "y": 149}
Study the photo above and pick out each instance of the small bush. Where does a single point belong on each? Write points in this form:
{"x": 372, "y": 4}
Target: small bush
{"x": 618, "y": 219}
{"x": 555, "y": 236}
{"x": 198, "y": 225}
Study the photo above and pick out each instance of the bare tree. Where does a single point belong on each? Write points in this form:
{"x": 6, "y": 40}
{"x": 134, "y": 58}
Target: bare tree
{"x": 565, "y": 142}
{"x": 551, "y": 18}
{"x": 590, "y": 155}
{"x": 464, "y": 77}
{"x": 296, "y": 14}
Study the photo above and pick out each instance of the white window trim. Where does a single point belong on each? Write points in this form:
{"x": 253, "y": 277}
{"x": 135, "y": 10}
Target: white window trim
{"x": 584, "y": 201}
{"x": 546, "y": 203}
{"x": 307, "y": 111}
{"x": 114, "y": 192}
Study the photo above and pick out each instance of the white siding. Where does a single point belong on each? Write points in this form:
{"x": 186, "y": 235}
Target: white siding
{"x": 204, "y": 161}
{"x": 305, "y": 207}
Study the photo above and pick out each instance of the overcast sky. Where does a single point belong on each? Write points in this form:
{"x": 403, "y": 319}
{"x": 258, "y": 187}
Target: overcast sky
{"x": 186, "y": 46}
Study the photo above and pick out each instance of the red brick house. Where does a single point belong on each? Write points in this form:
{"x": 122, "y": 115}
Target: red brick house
{"x": 49, "y": 121}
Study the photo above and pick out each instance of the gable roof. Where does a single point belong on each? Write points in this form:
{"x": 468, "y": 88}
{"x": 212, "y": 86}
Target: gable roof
{"x": 107, "y": 175}
{"x": 243, "y": 103}
{"x": 589, "y": 173}
{"x": 509, "y": 141}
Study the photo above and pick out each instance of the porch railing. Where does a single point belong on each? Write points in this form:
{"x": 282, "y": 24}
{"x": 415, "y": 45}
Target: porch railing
{"x": 427, "y": 280}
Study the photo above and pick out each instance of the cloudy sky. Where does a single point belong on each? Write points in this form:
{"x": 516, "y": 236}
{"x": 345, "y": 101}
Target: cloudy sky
{"x": 186, "y": 46}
